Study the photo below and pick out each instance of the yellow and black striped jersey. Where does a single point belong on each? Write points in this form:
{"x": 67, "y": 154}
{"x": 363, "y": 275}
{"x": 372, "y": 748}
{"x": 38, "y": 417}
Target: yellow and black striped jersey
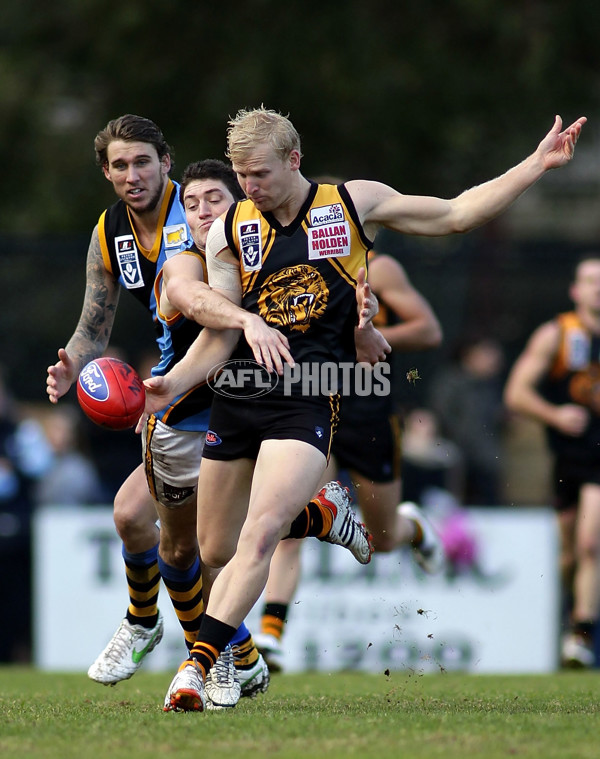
{"x": 302, "y": 278}
{"x": 574, "y": 377}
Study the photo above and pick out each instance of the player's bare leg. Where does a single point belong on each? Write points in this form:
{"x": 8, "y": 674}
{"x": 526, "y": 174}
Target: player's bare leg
{"x": 284, "y": 575}
{"x": 279, "y": 491}
{"x": 394, "y": 525}
{"x": 578, "y": 645}
{"x": 286, "y": 476}
{"x": 135, "y": 514}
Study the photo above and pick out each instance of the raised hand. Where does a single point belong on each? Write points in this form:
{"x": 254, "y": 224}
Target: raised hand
{"x": 557, "y": 148}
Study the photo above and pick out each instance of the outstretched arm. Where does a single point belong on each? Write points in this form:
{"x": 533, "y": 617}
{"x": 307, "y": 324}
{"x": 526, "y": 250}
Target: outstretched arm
{"x": 379, "y": 205}
{"x": 93, "y": 330}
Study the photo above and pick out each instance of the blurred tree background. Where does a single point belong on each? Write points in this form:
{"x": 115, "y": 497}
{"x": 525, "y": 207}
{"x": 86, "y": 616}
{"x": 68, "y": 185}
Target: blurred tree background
{"x": 430, "y": 97}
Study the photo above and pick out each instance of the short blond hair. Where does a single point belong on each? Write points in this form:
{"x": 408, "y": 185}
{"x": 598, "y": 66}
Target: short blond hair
{"x": 257, "y": 127}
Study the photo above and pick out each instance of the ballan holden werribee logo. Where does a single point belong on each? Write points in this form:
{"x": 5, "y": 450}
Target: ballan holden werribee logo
{"x": 329, "y": 233}
{"x": 242, "y": 378}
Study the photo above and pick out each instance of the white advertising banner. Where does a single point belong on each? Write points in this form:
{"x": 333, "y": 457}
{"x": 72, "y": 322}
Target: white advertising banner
{"x": 498, "y": 614}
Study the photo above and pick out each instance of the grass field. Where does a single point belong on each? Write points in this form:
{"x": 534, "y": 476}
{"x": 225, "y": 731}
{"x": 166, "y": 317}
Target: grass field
{"x": 403, "y": 714}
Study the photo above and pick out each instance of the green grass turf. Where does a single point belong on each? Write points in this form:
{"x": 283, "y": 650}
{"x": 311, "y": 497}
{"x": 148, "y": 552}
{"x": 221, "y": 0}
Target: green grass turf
{"x": 306, "y": 715}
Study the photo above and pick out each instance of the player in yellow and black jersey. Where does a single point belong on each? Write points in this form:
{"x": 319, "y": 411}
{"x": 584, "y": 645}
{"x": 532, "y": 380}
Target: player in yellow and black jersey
{"x": 302, "y": 278}
{"x": 556, "y": 380}
{"x": 267, "y": 453}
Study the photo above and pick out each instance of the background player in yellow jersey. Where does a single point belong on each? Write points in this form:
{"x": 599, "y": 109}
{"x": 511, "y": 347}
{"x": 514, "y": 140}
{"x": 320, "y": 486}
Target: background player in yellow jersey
{"x": 556, "y": 380}
{"x": 273, "y": 451}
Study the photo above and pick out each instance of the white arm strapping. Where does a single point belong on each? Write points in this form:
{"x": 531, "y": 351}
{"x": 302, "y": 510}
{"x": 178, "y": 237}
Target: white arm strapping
{"x": 222, "y": 275}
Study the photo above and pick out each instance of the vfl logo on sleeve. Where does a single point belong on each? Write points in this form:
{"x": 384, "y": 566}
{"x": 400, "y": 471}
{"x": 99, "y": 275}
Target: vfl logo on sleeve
{"x": 129, "y": 263}
{"x": 175, "y": 237}
{"x": 250, "y": 244}
{"x": 329, "y": 233}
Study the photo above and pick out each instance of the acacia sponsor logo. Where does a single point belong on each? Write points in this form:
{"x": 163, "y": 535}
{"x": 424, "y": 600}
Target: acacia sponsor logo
{"x": 326, "y": 214}
{"x": 242, "y": 378}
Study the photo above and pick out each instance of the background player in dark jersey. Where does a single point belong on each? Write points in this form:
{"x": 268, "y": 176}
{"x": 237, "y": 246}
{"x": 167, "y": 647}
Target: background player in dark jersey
{"x": 367, "y": 444}
{"x": 265, "y": 152}
{"x": 556, "y": 380}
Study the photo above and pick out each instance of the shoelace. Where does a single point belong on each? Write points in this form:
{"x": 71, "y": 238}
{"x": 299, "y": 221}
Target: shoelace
{"x": 223, "y": 670}
{"x": 120, "y": 643}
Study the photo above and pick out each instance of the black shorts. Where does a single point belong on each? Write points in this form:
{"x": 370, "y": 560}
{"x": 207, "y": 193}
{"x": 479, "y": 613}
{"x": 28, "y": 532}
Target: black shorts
{"x": 372, "y": 450}
{"x": 238, "y": 426}
{"x": 567, "y": 478}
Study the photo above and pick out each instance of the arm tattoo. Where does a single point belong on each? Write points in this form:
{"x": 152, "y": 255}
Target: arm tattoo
{"x": 95, "y": 324}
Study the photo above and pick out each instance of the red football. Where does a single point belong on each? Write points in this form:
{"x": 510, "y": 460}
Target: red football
{"x": 111, "y": 393}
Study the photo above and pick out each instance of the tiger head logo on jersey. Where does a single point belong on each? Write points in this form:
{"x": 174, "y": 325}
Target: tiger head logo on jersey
{"x": 293, "y": 297}
{"x": 584, "y": 388}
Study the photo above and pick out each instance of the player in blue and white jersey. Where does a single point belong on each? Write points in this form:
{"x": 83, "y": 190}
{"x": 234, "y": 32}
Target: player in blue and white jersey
{"x": 128, "y": 247}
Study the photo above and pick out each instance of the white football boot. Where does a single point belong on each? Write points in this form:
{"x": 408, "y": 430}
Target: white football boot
{"x": 126, "y": 651}
{"x": 222, "y": 686}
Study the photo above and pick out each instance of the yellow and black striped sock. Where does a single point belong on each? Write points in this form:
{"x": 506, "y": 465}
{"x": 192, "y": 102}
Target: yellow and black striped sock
{"x": 273, "y": 619}
{"x": 213, "y": 636}
{"x": 314, "y": 521}
{"x": 143, "y": 581}
{"x": 204, "y": 655}
{"x": 185, "y": 590}
{"x": 245, "y": 653}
